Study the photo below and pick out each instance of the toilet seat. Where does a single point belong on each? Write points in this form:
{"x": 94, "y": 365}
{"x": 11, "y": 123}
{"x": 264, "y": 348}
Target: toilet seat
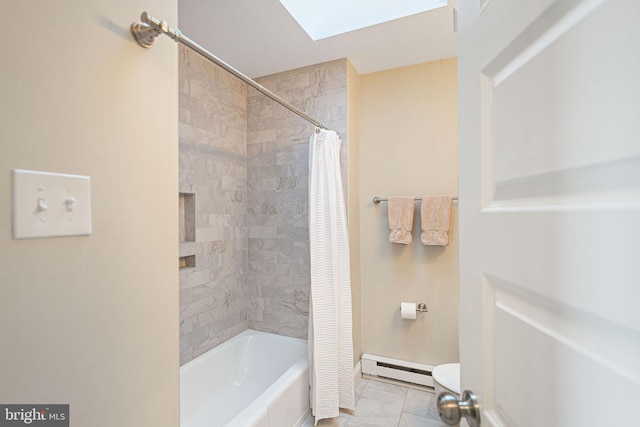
{"x": 448, "y": 376}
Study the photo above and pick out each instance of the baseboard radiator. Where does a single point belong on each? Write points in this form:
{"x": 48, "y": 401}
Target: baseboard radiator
{"x": 397, "y": 370}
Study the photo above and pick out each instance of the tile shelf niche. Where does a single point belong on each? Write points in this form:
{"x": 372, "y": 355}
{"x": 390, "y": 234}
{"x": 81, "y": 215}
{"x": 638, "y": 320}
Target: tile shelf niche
{"x": 187, "y": 215}
{"x": 187, "y": 261}
{"x": 187, "y": 226}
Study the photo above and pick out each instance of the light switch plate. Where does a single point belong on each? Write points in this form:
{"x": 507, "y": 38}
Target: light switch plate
{"x": 49, "y": 204}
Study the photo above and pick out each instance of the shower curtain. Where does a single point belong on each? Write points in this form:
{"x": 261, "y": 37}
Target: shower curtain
{"x": 330, "y": 336}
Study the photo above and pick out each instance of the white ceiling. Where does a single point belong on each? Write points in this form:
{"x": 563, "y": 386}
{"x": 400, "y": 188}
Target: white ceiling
{"x": 259, "y": 37}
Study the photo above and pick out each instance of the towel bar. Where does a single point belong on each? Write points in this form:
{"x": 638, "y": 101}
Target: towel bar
{"x": 377, "y": 199}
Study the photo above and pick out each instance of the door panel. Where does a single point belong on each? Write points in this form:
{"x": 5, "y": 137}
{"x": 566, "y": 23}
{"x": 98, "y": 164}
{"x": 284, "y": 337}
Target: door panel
{"x": 550, "y": 210}
{"x": 563, "y": 71}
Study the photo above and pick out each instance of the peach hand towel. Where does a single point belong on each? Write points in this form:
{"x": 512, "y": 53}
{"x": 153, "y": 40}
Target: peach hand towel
{"x": 401, "y": 219}
{"x": 435, "y": 214}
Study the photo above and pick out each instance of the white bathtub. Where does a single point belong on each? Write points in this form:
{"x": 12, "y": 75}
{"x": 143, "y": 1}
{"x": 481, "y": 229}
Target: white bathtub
{"x": 255, "y": 379}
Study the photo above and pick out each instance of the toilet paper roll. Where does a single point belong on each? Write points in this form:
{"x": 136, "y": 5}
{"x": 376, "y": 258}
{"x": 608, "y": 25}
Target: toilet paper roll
{"x": 408, "y": 310}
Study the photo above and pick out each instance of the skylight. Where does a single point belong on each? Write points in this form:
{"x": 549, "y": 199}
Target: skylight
{"x": 325, "y": 18}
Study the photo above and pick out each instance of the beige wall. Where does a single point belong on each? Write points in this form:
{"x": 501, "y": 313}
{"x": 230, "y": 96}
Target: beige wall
{"x": 92, "y": 321}
{"x": 408, "y": 146}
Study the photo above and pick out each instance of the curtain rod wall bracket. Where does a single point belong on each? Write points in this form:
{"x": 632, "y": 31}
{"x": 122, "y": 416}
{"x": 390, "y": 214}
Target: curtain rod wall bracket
{"x": 146, "y": 31}
{"x": 144, "y": 34}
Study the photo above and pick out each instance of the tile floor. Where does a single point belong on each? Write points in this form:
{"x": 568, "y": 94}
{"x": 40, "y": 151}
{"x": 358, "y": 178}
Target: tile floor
{"x": 380, "y": 404}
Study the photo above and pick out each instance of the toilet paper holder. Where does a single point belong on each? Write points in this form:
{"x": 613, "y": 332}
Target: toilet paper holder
{"x": 420, "y": 308}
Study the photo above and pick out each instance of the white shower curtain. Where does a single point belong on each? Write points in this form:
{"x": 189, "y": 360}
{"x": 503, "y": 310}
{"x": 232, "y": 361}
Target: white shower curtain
{"x": 330, "y": 337}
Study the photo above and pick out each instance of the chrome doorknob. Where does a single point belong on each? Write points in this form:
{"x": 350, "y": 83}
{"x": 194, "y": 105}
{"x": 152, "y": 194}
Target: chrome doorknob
{"x": 451, "y": 410}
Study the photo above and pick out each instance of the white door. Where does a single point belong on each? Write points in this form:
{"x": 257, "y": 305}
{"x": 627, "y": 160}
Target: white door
{"x": 550, "y": 210}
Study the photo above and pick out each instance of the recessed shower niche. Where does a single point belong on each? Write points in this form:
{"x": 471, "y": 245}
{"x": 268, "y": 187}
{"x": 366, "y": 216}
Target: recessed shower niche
{"x": 187, "y": 261}
{"x": 187, "y": 215}
{"x": 187, "y": 226}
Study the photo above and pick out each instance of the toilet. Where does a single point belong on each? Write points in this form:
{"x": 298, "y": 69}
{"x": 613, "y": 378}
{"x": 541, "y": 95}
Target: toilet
{"x": 447, "y": 378}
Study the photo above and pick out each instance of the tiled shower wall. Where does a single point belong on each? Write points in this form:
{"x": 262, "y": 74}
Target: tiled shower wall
{"x": 278, "y": 157}
{"x": 246, "y": 160}
{"x": 214, "y": 295}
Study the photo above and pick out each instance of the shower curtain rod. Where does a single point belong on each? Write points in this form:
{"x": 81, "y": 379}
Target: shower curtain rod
{"x": 145, "y": 32}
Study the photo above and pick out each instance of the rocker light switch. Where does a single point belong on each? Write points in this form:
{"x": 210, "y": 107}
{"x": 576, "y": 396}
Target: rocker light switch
{"x": 50, "y": 204}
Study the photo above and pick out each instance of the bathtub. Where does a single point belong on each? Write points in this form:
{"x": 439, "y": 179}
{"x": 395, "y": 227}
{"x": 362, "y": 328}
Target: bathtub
{"x": 255, "y": 379}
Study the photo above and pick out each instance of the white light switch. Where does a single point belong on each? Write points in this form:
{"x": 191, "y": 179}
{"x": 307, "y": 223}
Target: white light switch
{"x": 50, "y": 204}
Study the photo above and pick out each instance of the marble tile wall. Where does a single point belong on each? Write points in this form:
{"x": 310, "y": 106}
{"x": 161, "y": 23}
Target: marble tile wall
{"x": 245, "y": 158}
{"x": 215, "y": 294}
{"x": 277, "y": 207}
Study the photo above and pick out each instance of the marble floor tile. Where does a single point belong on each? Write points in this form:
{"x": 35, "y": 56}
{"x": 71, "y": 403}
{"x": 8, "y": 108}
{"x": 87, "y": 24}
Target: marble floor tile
{"x": 340, "y": 421}
{"x": 388, "y": 387}
{"x": 381, "y": 404}
{"x": 432, "y": 411}
{"x": 373, "y": 422}
{"x": 418, "y": 402}
{"x": 410, "y": 420}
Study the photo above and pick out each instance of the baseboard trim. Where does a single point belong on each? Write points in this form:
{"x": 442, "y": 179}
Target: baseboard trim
{"x": 357, "y": 374}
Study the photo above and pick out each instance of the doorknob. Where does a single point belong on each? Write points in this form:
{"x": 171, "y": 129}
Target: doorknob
{"x": 451, "y": 410}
